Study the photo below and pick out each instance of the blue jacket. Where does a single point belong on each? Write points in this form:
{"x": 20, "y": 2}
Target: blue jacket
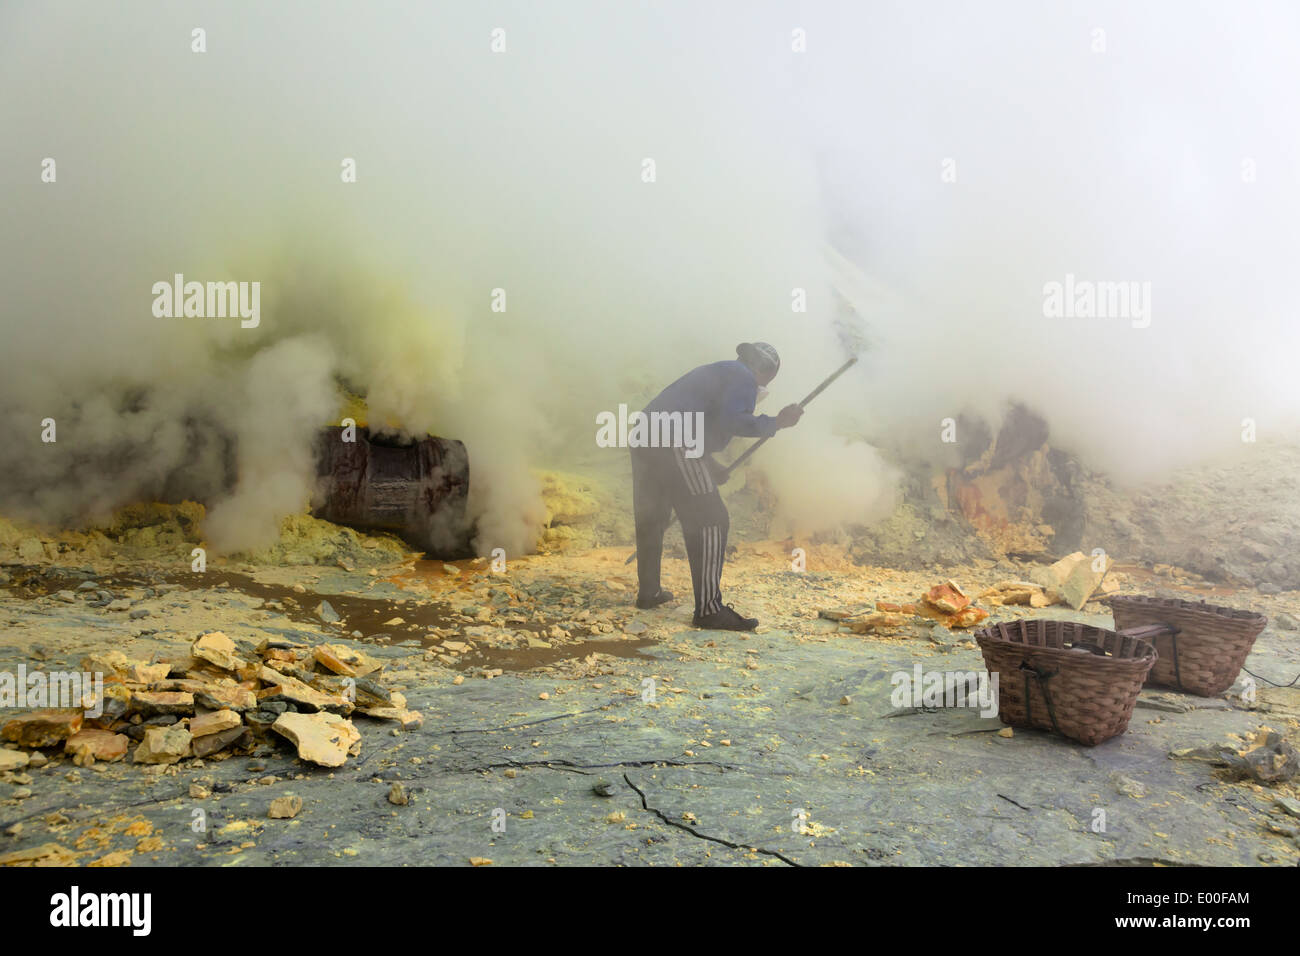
{"x": 725, "y": 392}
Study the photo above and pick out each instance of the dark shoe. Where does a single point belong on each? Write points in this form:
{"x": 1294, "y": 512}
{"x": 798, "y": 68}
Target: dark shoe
{"x": 725, "y": 619}
{"x": 663, "y": 597}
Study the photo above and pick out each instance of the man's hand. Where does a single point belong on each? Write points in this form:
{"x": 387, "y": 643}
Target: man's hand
{"x": 789, "y": 416}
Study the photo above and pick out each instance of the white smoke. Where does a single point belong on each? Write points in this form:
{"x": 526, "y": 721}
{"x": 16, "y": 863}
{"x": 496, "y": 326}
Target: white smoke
{"x": 1115, "y": 143}
{"x": 523, "y": 171}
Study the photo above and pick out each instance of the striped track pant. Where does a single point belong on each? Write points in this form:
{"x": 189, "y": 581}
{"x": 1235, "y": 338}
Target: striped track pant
{"x": 664, "y": 480}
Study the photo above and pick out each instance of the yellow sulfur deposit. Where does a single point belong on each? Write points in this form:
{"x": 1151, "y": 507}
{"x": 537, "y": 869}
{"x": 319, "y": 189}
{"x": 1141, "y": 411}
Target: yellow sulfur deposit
{"x": 573, "y": 503}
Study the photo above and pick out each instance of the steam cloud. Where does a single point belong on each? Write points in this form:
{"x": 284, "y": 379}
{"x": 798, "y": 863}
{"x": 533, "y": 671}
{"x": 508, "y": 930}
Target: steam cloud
{"x": 522, "y": 171}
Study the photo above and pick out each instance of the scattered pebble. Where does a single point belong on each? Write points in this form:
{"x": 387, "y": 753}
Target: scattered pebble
{"x": 285, "y": 808}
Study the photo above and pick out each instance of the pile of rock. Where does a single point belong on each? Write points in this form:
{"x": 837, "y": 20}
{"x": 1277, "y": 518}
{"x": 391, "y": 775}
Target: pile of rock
{"x": 1264, "y": 756}
{"x": 1023, "y": 593}
{"x": 945, "y": 603}
{"x": 224, "y": 697}
{"x": 1071, "y": 581}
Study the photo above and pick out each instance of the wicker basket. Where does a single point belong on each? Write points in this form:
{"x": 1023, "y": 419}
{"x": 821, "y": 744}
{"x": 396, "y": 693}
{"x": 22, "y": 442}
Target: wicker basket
{"x": 1202, "y": 646}
{"x": 1078, "y": 680}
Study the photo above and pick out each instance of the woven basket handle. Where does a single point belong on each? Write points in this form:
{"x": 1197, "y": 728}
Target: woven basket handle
{"x": 1149, "y": 632}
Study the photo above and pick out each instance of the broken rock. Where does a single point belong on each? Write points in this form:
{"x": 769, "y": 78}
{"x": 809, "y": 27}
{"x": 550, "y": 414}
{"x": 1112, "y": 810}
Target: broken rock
{"x": 226, "y": 697}
{"x": 878, "y": 621}
{"x": 209, "y": 744}
{"x": 217, "y": 649}
{"x": 285, "y": 808}
{"x": 947, "y": 597}
{"x": 13, "y": 760}
{"x": 114, "y": 704}
{"x": 163, "y": 745}
{"x": 1073, "y": 579}
{"x": 108, "y": 663}
{"x": 290, "y": 689}
{"x": 1274, "y": 760}
{"x": 362, "y": 691}
{"x": 966, "y": 617}
{"x": 322, "y": 738}
{"x": 345, "y": 661}
{"x": 43, "y": 728}
{"x": 1083, "y": 581}
{"x": 143, "y": 673}
{"x": 1016, "y": 592}
{"x": 214, "y": 722}
{"x": 152, "y": 703}
{"x": 325, "y": 611}
{"x": 47, "y": 854}
{"x": 103, "y": 745}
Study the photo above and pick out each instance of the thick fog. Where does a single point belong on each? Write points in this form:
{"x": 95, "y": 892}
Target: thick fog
{"x": 646, "y": 186}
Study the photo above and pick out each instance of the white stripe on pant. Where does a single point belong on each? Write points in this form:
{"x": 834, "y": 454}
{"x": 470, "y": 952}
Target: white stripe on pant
{"x": 711, "y": 569}
{"x": 700, "y": 482}
{"x": 698, "y": 479}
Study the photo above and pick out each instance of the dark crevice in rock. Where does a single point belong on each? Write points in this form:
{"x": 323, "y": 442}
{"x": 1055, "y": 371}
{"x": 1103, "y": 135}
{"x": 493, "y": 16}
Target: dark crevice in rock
{"x": 704, "y": 836}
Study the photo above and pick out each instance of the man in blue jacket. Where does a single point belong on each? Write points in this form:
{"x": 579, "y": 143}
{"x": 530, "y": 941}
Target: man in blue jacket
{"x": 665, "y": 479}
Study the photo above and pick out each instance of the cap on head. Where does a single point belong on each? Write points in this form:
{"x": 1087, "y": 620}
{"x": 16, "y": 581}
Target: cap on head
{"x": 760, "y": 357}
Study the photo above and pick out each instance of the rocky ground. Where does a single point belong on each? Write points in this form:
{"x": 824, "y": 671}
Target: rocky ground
{"x": 562, "y": 726}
